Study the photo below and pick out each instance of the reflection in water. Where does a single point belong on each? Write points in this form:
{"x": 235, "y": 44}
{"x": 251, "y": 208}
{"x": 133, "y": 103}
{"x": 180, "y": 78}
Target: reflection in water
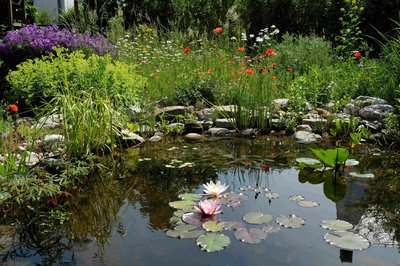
{"x": 142, "y": 191}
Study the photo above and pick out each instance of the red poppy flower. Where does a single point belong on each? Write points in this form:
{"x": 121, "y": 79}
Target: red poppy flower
{"x": 186, "y": 50}
{"x": 234, "y": 73}
{"x": 243, "y": 64}
{"x": 265, "y": 70}
{"x": 14, "y": 108}
{"x": 290, "y": 69}
{"x": 273, "y": 64}
{"x": 261, "y": 57}
{"x": 268, "y": 52}
{"x": 249, "y": 71}
{"x": 357, "y": 54}
{"x": 240, "y": 49}
{"x": 273, "y": 54}
{"x": 218, "y": 30}
{"x": 210, "y": 71}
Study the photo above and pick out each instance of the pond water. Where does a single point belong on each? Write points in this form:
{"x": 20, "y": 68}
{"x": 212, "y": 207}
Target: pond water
{"x": 124, "y": 221}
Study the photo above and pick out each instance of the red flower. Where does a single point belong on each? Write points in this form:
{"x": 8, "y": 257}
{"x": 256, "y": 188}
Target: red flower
{"x": 268, "y": 52}
{"x": 240, "y": 49}
{"x": 357, "y": 54}
{"x": 290, "y": 69}
{"x": 210, "y": 71}
{"x": 273, "y": 64}
{"x": 243, "y": 64}
{"x": 273, "y": 77}
{"x": 218, "y": 30}
{"x": 234, "y": 73}
{"x": 186, "y": 50}
{"x": 273, "y": 54}
{"x": 265, "y": 70}
{"x": 14, "y": 108}
{"x": 249, "y": 71}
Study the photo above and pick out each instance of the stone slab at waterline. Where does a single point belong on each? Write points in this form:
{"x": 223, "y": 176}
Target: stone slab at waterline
{"x": 305, "y": 137}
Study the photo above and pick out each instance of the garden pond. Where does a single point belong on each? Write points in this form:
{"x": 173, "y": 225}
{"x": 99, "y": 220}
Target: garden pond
{"x": 129, "y": 220}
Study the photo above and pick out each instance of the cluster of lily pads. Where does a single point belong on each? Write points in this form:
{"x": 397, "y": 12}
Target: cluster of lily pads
{"x": 197, "y": 217}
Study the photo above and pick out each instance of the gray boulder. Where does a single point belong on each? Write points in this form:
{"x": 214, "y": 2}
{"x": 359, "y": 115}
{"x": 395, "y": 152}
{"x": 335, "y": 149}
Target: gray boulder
{"x": 376, "y": 112}
{"x": 306, "y": 137}
{"x": 220, "y": 132}
{"x": 228, "y": 123}
{"x": 368, "y": 100}
{"x": 282, "y": 103}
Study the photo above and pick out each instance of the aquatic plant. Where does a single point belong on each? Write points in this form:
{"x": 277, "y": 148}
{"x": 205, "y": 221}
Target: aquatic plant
{"x": 208, "y": 207}
{"x": 215, "y": 189}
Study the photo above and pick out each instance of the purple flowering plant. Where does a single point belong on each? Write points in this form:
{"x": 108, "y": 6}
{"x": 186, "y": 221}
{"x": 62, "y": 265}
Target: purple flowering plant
{"x": 33, "y": 41}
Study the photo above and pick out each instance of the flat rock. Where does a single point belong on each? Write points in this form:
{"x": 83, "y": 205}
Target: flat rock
{"x": 131, "y": 139}
{"x": 205, "y": 113}
{"x": 323, "y": 112}
{"x": 376, "y": 112}
{"x": 228, "y": 123}
{"x": 282, "y": 103}
{"x": 155, "y": 139}
{"x": 315, "y": 122}
{"x": 226, "y": 110}
{"x": 49, "y": 122}
{"x": 368, "y": 100}
{"x": 351, "y": 109}
{"x": 304, "y": 128}
{"x": 306, "y": 137}
{"x": 249, "y": 133}
{"x": 206, "y": 125}
{"x": 193, "y": 136}
{"x": 193, "y": 127}
{"x": 32, "y": 159}
{"x": 220, "y": 132}
{"x": 53, "y": 138}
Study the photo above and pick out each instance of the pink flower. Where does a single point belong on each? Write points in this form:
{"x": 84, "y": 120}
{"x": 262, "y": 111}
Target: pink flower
{"x": 208, "y": 207}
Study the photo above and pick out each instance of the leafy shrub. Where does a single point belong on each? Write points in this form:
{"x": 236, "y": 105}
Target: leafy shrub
{"x": 32, "y": 41}
{"x": 41, "y": 79}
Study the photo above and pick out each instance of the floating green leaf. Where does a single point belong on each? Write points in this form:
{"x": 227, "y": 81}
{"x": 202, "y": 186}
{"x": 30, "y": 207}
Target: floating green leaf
{"x": 190, "y": 196}
{"x": 291, "y": 221}
{"x": 180, "y": 213}
{"x": 252, "y": 236}
{"x": 212, "y": 226}
{"x": 176, "y": 220}
{"x": 184, "y": 234}
{"x": 347, "y": 240}
{"x": 309, "y": 162}
{"x": 257, "y": 218}
{"x": 336, "y": 225}
{"x": 307, "y": 203}
{"x": 332, "y": 157}
{"x": 213, "y": 242}
{"x": 272, "y": 195}
{"x": 185, "y": 227}
{"x": 354, "y": 174}
{"x": 296, "y": 197}
{"x": 351, "y": 162}
{"x": 182, "y": 204}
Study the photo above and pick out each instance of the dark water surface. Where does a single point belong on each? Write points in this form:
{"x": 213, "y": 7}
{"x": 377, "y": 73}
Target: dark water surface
{"x": 123, "y": 221}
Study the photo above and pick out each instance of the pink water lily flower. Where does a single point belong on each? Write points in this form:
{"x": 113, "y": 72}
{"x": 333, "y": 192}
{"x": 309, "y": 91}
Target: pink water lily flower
{"x": 208, "y": 207}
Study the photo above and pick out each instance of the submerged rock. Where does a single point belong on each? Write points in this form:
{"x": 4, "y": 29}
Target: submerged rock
{"x": 306, "y": 137}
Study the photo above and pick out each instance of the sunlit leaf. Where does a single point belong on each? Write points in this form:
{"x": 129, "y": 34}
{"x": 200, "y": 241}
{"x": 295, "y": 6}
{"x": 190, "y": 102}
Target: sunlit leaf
{"x": 184, "y": 234}
{"x": 296, "y": 197}
{"x": 309, "y": 162}
{"x": 190, "y": 197}
{"x": 347, "y": 240}
{"x": 257, "y": 218}
{"x": 212, "y": 226}
{"x": 272, "y": 195}
{"x": 182, "y": 204}
{"x": 358, "y": 175}
{"x": 336, "y": 225}
{"x": 308, "y": 203}
{"x": 252, "y": 236}
{"x": 291, "y": 221}
{"x": 213, "y": 242}
{"x": 332, "y": 157}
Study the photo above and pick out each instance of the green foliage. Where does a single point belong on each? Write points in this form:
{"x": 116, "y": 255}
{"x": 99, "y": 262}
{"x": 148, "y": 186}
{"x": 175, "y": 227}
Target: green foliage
{"x": 332, "y": 157}
{"x": 39, "y": 80}
{"x": 85, "y": 21}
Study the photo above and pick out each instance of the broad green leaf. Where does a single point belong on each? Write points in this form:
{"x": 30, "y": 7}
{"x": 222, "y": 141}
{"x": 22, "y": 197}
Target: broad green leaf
{"x": 332, "y": 157}
{"x": 212, "y": 226}
{"x": 336, "y": 225}
{"x": 176, "y": 220}
{"x": 252, "y": 236}
{"x": 213, "y": 242}
{"x": 291, "y": 221}
{"x": 257, "y": 218}
{"x": 190, "y": 196}
{"x": 347, "y": 240}
{"x": 182, "y": 204}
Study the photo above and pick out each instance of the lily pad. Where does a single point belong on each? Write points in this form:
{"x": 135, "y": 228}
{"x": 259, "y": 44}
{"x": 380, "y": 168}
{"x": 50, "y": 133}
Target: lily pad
{"x": 347, "y": 240}
{"x": 232, "y": 199}
{"x": 180, "y": 213}
{"x": 213, "y": 242}
{"x": 354, "y": 174}
{"x": 247, "y": 188}
{"x": 272, "y": 195}
{"x": 184, "y": 234}
{"x": 182, "y": 204}
{"x": 190, "y": 196}
{"x": 307, "y": 203}
{"x": 291, "y": 221}
{"x": 336, "y": 225}
{"x": 185, "y": 227}
{"x": 252, "y": 236}
{"x": 260, "y": 189}
{"x": 233, "y": 226}
{"x": 309, "y": 162}
{"x": 296, "y": 198}
{"x": 196, "y": 218}
{"x": 269, "y": 229}
{"x": 351, "y": 162}
{"x": 257, "y": 218}
{"x": 212, "y": 226}
{"x": 176, "y": 220}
